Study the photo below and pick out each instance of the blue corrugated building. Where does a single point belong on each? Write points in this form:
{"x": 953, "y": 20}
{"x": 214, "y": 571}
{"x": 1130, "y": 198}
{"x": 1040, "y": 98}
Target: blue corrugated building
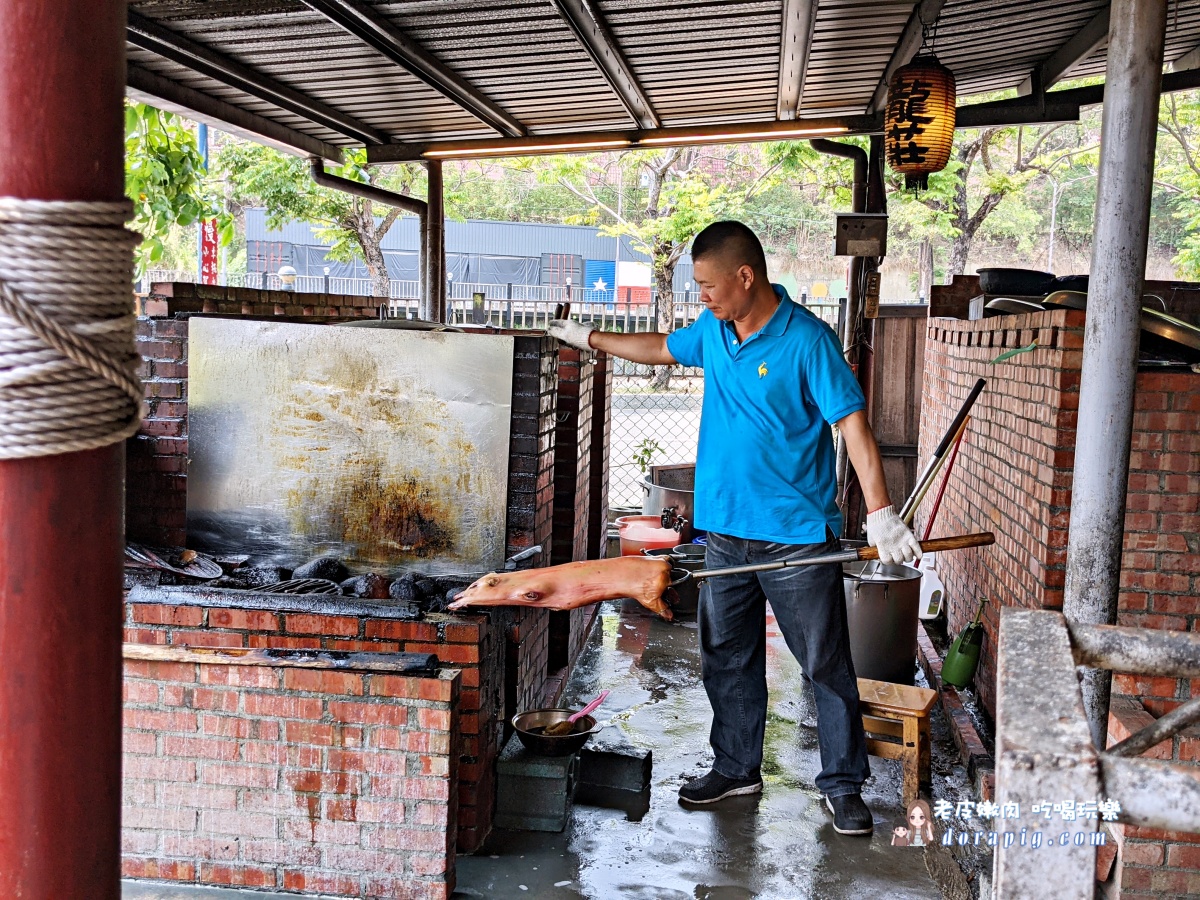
{"x": 477, "y": 251}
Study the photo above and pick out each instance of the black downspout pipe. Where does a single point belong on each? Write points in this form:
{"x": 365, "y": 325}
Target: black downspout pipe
{"x": 378, "y": 195}
{"x": 858, "y": 187}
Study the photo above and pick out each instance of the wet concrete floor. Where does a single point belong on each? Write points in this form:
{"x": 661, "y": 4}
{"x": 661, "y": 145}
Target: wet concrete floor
{"x": 780, "y": 846}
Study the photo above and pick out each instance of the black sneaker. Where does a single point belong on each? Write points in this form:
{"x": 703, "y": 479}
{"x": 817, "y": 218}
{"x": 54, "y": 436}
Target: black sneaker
{"x": 714, "y": 786}
{"x": 850, "y": 814}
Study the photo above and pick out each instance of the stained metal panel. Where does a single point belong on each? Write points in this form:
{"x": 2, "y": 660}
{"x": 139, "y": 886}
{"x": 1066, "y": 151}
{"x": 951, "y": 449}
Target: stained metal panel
{"x": 382, "y": 447}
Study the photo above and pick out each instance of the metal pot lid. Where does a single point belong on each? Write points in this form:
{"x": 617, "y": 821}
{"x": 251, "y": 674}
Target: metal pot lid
{"x": 1159, "y": 323}
{"x": 1004, "y": 306}
{"x": 1066, "y": 300}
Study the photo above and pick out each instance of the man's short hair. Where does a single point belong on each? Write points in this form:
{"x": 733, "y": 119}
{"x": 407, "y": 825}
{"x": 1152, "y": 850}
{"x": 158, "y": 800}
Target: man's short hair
{"x": 732, "y": 240}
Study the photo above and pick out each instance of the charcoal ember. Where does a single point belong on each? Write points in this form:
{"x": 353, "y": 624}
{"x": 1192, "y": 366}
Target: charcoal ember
{"x": 429, "y": 588}
{"x": 455, "y": 582}
{"x": 370, "y": 586}
{"x": 328, "y": 567}
{"x": 258, "y": 576}
{"x": 229, "y": 581}
{"x": 404, "y": 589}
{"x": 439, "y": 603}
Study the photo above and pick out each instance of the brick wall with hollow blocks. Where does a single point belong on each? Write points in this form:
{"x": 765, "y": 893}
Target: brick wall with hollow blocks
{"x": 340, "y": 783}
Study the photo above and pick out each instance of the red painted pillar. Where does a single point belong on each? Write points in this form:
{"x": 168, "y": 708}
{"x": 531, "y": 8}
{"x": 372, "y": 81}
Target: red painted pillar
{"x": 62, "y": 77}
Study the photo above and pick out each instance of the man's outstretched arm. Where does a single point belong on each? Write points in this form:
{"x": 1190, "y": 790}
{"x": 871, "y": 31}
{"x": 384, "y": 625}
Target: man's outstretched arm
{"x": 647, "y": 347}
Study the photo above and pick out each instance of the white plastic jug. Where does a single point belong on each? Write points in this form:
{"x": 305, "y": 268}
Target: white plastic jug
{"x": 932, "y": 589}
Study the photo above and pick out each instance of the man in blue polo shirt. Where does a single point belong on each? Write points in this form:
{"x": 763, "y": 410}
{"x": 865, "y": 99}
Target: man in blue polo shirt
{"x": 775, "y": 380}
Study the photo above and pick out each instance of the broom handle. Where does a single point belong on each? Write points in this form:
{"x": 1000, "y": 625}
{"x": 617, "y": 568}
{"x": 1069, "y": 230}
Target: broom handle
{"x": 945, "y": 444}
{"x": 937, "y": 501}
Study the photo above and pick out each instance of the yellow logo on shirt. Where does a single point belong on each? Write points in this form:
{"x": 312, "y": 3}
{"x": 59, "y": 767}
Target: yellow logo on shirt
{"x": 762, "y": 369}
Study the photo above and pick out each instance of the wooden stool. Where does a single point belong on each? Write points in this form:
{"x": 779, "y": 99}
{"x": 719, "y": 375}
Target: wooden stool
{"x": 899, "y": 711}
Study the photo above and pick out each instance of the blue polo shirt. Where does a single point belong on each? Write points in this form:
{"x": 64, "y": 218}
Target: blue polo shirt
{"x": 765, "y": 467}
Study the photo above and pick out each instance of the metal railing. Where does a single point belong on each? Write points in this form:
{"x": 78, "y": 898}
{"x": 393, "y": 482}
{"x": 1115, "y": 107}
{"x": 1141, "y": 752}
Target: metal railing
{"x": 1047, "y": 763}
{"x": 506, "y": 305}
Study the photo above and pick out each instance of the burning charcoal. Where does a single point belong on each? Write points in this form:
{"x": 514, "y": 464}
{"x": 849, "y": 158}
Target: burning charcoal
{"x": 457, "y": 582}
{"x": 370, "y": 586}
{"x": 257, "y": 576}
{"x": 229, "y": 581}
{"x": 404, "y": 589}
{"x": 438, "y": 603}
{"x": 328, "y": 567}
{"x": 429, "y": 588}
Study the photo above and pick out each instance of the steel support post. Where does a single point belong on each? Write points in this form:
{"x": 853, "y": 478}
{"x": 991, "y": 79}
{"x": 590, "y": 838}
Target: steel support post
{"x": 62, "y": 80}
{"x": 1135, "y": 56}
{"x": 433, "y": 247}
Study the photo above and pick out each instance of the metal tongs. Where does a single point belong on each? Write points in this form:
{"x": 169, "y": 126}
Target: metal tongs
{"x": 959, "y": 542}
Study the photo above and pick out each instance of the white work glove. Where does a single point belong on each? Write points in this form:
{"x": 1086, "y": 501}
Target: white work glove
{"x": 571, "y": 332}
{"x": 887, "y": 532}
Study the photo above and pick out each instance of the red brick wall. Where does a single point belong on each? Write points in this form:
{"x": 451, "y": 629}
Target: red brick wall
{"x": 292, "y": 779}
{"x": 1014, "y": 474}
{"x": 1151, "y": 863}
{"x": 156, "y": 457}
{"x": 473, "y": 644}
{"x": 167, "y": 299}
{"x": 1014, "y": 477}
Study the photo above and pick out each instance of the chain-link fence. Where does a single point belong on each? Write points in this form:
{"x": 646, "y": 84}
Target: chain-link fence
{"x": 655, "y": 413}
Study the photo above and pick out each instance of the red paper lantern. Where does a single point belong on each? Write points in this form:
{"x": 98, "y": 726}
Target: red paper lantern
{"x": 919, "y": 125}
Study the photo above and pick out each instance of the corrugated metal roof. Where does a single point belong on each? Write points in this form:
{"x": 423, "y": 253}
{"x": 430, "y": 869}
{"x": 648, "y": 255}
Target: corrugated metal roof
{"x": 698, "y": 62}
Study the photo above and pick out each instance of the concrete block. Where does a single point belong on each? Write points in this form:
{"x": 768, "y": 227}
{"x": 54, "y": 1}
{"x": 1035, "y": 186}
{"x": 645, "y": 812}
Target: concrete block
{"x": 533, "y": 793}
{"x": 610, "y": 760}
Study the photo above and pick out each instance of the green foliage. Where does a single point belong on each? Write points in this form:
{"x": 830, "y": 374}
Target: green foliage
{"x": 165, "y": 179}
{"x": 645, "y": 453}
{"x": 281, "y": 183}
{"x": 1177, "y": 176}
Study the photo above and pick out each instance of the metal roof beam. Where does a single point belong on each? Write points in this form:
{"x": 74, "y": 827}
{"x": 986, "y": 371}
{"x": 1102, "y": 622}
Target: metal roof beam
{"x": 924, "y": 13}
{"x": 366, "y": 24}
{"x": 1081, "y": 45}
{"x": 145, "y": 86}
{"x": 150, "y": 36}
{"x": 799, "y": 17}
{"x": 601, "y": 45}
{"x": 1055, "y": 106}
{"x": 598, "y": 141}
{"x": 1189, "y": 60}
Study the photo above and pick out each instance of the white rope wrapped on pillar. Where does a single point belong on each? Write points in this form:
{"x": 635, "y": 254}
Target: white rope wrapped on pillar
{"x": 68, "y": 364}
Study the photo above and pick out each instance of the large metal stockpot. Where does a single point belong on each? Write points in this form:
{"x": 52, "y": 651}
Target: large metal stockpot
{"x": 670, "y": 488}
{"x": 881, "y": 613}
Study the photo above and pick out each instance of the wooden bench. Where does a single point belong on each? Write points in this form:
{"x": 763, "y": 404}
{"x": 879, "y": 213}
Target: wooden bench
{"x": 896, "y": 719}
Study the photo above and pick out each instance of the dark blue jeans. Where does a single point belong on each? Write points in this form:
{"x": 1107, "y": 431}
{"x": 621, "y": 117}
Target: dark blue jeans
{"x": 809, "y": 605}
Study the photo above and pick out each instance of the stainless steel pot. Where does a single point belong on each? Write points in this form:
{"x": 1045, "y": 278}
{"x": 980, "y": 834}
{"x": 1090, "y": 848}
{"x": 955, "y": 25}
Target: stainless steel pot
{"x": 881, "y": 615}
{"x": 656, "y": 498}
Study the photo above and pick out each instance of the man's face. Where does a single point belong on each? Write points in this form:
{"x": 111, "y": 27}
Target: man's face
{"x": 725, "y": 287}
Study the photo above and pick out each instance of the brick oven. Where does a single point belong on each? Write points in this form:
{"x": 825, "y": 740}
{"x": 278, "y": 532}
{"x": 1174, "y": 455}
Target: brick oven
{"x": 1013, "y": 477}
{"x": 500, "y": 662}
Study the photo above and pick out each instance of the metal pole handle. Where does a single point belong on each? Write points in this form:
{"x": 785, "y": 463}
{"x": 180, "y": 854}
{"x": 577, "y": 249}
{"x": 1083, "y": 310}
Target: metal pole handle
{"x": 958, "y": 542}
